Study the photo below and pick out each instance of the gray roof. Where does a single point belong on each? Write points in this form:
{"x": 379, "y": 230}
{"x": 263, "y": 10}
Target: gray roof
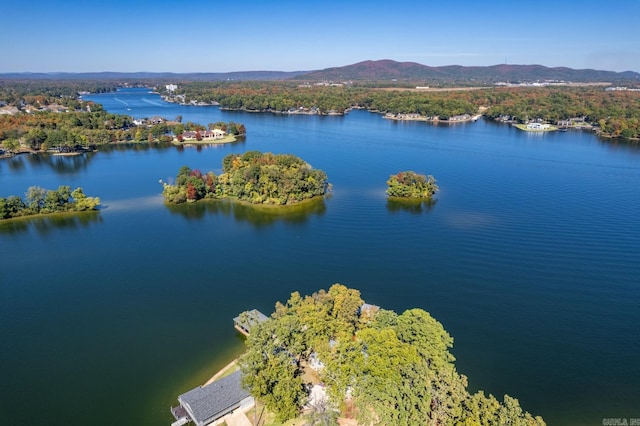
{"x": 208, "y": 403}
{"x": 254, "y": 317}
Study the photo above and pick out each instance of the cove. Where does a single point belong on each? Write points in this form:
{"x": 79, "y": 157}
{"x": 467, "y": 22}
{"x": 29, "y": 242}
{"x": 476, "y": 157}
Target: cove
{"x": 528, "y": 257}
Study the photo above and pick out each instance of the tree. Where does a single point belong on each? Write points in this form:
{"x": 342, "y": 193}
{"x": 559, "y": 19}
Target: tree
{"x": 35, "y": 197}
{"x": 11, "y": 145}
{"x": 35, "y": 137}
{"x": 388, "y": 378}
{"x": 346, "y": 307}
{"x": 420, "y": 330}
{"x": 271, "y": 373}
{"x": 192, "y": 194}
{"x": 13, "y": 206}
{"x": 82, "y": 202}
{"x": 487, "y": 410}
{"x": 57, "y": 200}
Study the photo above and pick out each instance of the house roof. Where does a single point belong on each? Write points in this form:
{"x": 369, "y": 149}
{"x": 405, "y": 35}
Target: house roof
{"x": 254, "y": 317}
{"x": 208, "y": 403}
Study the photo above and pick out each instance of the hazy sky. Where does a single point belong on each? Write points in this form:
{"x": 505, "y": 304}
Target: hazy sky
{"x": 243, "y": 35}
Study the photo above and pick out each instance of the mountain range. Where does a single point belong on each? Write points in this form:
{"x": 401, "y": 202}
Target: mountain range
{"x": 381, "y": 70}
{"x": 392, "y": 70}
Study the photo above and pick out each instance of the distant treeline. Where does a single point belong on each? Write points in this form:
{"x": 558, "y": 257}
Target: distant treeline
{"x": 617, "y": 113}
{"x": 51, "y": 91}
{"x": 42, "y": 201}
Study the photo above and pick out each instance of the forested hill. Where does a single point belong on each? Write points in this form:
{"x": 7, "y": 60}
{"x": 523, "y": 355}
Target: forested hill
{"x": 389, "y": 70}
{"x": 367, "y": 71}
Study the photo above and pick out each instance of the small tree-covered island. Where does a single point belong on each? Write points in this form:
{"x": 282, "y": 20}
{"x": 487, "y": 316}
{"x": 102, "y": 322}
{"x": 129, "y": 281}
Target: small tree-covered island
{"x": 253, "y": 177}
{"x": 40, "y": 201}
{"x": 410, "y": 184}
{"x": 337, "y": 356}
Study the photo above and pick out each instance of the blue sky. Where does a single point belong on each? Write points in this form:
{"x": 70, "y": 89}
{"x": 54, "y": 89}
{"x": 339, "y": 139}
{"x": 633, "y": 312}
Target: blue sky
{"x": 243, "y": 35}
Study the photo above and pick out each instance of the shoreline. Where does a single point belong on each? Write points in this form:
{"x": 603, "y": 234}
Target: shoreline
{"x": 394, "y": 117}
{"x": 222, "y": 371}
{"x": 275, "y": 208}
{"x": 524, "y": 128}
{"x": 175, "y": 142}
{"x": 51, "y": 215}
{"x": 221, "y": 141}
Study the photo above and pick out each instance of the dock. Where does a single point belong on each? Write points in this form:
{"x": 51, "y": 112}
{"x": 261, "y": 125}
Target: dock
{"x": 219, "y": 397}
{"x": 181, "y": 416}
{"x": 247, "y": 320}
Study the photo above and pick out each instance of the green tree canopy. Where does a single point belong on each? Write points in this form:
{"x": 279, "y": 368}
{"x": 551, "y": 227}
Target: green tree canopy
{"x": 386, "y": 368}
{"x": 42, "y": 201}
{"x": 410, "y": 184}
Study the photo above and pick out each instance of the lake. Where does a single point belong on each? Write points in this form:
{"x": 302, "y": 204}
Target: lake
{"x": 529, "y": 258}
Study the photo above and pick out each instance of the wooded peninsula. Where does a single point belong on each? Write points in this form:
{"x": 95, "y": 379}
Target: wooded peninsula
{"x": 254, "y": 177}
{"x": 372, "y": 364}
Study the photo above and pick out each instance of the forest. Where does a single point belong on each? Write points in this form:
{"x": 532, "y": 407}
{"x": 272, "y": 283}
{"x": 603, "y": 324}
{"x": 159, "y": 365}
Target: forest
{"x": 410, "y": 184}
{"x": 377, "y": 366}
{"x": 39, "y": 201}
{"x": 612, "y": 113}
{"x": 616, "y": 113}
{"x": 254, "y": 177}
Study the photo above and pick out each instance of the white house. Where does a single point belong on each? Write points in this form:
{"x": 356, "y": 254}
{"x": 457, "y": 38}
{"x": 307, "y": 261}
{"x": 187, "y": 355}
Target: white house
{"x": 537, "y": 126}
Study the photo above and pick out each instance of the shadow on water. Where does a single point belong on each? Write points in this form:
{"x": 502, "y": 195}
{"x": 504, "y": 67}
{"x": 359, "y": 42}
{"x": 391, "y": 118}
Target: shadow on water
{"x": 45, "y": 224}
{"x": 411, "y": 205}
{"x": 163, "y": 146}
{"x": 256, "y": 215}
{"x": 627, "y": 145}
{"x": 15, "y": 163}
{"x": 62, "y": 164}
{"x": 135, "y": 146}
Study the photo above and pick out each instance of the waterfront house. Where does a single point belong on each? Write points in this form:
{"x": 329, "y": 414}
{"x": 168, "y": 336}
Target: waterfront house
{"x": 206, "y": 405}
{"x": 537, "y": 126}
{"x": 204, "y": 134}
{"x": 461, "y": 117}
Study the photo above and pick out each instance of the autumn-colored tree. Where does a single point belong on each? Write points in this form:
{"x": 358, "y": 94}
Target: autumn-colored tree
{"x": 191, "y": 192}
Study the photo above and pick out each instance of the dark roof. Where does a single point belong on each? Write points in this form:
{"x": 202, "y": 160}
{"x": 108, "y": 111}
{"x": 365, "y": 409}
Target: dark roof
{"x": 208, "y": 403}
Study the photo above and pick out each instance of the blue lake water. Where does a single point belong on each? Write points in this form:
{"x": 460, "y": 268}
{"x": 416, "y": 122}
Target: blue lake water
{"x": 529, "y": 258}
